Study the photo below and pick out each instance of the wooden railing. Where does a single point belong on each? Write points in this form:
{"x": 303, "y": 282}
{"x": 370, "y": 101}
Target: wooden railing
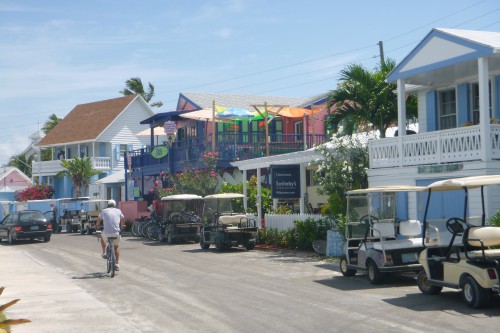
{"x": 50, "y": 168}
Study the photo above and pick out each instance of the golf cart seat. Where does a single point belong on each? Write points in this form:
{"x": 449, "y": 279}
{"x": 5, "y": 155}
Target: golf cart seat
{"x": 480, "y": 239}
{"x": 232, "y": 221}
{"x": 409, "y": 229}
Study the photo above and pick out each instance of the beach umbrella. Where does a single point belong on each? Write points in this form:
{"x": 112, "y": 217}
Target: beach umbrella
{"x": 236, "y": 114}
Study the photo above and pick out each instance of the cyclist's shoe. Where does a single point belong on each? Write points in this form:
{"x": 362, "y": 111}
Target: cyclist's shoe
{"x": 117, "y": 267}
{"x": 104, "y": 256}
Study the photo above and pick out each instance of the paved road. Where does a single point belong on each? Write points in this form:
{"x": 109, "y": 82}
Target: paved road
{"x": 181, "y": 288}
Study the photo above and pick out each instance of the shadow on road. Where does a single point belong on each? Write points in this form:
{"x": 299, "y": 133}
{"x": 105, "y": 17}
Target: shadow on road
{"x": 96, "y": 275}
{"x": 361, "y": 282}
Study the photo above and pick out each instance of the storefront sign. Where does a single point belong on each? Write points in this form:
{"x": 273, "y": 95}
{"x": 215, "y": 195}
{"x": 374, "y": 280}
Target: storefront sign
{"x": 285, "y": 181}
{"x": 170, "y": 128}
{"x": 441, "y": 168}
{"x": 159, "y": 152}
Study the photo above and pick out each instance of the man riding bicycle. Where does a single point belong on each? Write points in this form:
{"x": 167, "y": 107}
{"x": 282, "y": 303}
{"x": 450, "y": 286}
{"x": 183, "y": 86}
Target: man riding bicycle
{"x": 113, "y": 221}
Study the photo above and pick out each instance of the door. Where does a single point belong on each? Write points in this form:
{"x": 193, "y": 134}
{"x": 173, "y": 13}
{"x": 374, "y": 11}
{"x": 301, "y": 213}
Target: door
{"x": 443, "y": 205}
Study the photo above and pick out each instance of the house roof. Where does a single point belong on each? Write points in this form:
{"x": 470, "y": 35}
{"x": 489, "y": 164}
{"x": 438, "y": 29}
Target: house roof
{"x": 86, "y": 121}
{"x": 8, "y": 170}
{"x": 205, "y": 100}
{"x": 115, "y": 177}
{"x": 445, "y": 55}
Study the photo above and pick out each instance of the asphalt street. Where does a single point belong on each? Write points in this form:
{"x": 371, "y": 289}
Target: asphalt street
{"x": 63, "y": 287}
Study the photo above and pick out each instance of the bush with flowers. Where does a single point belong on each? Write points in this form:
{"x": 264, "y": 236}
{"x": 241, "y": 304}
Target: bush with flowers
{"x": 35, "y": 192}
{"x": 193, "y": 181}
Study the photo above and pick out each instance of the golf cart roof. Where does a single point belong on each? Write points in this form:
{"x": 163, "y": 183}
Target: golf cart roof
{"x": 182, "y": 197}
{"x": 393, "y": 188}
{"x": 465, "y": 182}
{"x": 225, "y": 196}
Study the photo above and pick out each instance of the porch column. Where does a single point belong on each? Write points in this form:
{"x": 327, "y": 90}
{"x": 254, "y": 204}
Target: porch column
{"x": 401, "y": 117}
{"x": 484, "y": 108}
{"x": 259, "y": 197}
{"x": 302, "y": 187}
{"x": 245, "y": 199}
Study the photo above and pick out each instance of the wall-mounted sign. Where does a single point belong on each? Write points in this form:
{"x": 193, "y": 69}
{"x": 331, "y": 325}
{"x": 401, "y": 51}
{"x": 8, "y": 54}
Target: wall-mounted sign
{"x": 159, "y": 151}
{"x": 440, "y": 168}
{"x": 285, "y": 181}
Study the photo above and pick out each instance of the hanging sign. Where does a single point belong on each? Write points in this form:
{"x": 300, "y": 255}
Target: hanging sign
{"x": 170, "y": 127}
{"x": 159, "y": 151}
{"x": 285, "y": 181}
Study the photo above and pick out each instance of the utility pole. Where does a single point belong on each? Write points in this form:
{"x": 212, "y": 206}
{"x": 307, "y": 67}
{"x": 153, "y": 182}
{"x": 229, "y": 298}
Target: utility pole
{"x": 381, "y": 50}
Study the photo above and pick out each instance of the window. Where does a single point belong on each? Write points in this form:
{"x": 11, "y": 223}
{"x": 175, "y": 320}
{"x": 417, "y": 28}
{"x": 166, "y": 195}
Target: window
{"x": 298, "y": 130}
{"x": 447, "y": 109}
{"x": 475, "y": 102}
{"x": 123, "y": 150}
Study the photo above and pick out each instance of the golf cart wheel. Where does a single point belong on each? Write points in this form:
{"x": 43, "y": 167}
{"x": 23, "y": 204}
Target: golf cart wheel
{"x": 249, "y": 246}
{"x": 374, "y": 274}
{"x": 473, "y": 294}
{"x": 343, "y": 268}
{"x": 170, "y": 238}
{"x": 83, "y": 231}
{"x": 425, "y": 287}
{"x": 219, "y": 245}
{"x": 204, "y": 246}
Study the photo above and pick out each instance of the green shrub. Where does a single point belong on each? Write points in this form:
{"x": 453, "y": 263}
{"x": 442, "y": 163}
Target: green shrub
{"x": 495, "y": 219}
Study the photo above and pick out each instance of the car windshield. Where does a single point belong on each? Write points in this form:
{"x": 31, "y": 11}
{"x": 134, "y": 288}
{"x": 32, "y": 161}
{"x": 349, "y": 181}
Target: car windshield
{"x": 31, "y": 216}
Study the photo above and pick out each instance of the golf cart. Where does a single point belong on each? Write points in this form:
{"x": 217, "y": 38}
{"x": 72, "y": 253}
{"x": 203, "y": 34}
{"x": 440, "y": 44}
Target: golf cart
{"x": 181, "y": 217}
{"x": 224, "y": 227}
{"x": 72, "y": 214}
{"x": 90, "y": 211}
{"x": 458, "y": 251}
{"x": 376, "y": 240}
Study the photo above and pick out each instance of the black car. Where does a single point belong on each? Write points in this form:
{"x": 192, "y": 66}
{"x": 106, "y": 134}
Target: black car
{"x": 26, "y": 224}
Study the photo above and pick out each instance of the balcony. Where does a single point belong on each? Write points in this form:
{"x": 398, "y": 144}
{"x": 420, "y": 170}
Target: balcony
{"x": 188, "y": 153}
{"x": 446, "y": 146}
{"x": 51, "y": 168}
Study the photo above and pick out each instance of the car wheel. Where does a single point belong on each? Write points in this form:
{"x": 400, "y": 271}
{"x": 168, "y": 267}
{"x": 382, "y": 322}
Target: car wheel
{"x": 425, "y": 287}
{"x": 10, "y": 239}
{"x": 46, "y": 239}
{"x": 374, "y": 274}
{"x": 343, "y": 268}
{"x": 219, "y": 245}
{"x": 473, "y": 294}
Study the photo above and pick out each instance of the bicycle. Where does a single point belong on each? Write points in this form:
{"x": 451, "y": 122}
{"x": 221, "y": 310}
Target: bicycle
{"x": 110, "y": 255}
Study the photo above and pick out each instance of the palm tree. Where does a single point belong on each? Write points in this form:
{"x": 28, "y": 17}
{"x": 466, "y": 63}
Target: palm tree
{"x": 135, "y": 86}
{"x": 51, "y": 123}
{"x": 23, "y": 164}
{"x": 364, "y": 99}
{"x": 80, "y": 170}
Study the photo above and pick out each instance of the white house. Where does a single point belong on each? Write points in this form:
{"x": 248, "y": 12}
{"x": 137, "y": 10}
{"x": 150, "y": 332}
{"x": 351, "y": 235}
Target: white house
{"x": 456, "y": 76}
{"x": 102, "y": 131}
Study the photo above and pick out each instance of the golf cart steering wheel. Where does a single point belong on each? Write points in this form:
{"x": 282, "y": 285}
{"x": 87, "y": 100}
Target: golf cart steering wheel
{"x": 456, "y": 226}
{"x": 368, "y": 219}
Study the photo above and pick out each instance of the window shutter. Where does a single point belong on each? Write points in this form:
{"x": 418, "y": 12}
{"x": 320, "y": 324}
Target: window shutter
{"x": 431, "y": 111}
{"x": 496, "y": 105}
{"x": 463, "y": 106}
{"x": 117, "y": 152}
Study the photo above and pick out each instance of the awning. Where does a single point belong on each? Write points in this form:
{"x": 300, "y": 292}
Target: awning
{"x": 202, "y": 115}
{"x": 116, "y": 177}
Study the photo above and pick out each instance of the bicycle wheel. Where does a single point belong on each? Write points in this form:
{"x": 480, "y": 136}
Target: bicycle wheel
{"x": 135, "y": 229}
{"x": 108, "y": 258}
{"x": 112, "y": 261}
{"x": 152, "y": 231}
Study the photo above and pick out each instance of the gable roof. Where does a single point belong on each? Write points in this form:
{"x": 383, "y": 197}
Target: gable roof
{"x": 87, "y": 121}
{"x": 188, "y": 101}
{"x": 454, "y": 49}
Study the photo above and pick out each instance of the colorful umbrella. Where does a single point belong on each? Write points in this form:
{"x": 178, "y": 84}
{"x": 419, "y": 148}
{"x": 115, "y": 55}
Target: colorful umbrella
{"x": 236, "y": 114}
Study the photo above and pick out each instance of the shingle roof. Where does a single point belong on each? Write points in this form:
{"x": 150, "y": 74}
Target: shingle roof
{"x": 205, "y": 100}
{"x": 86, "y": 121}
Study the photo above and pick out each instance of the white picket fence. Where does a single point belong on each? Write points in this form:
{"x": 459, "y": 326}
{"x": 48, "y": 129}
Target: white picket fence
{"x": 285, "y": 221}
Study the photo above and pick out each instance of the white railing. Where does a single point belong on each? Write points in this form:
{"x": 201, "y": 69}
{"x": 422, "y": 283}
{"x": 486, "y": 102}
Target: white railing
{"x": 51, "y": 168}
{"x": 447, "y": 146}
{"x": 285, "y": 221}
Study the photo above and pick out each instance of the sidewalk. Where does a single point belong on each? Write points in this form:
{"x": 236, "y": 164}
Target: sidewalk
{"x": 49, "y": 299}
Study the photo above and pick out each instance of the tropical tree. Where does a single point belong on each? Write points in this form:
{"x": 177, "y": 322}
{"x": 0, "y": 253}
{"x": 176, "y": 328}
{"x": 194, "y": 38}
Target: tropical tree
{"x": 51, "y": 123}
{"x": 22, "y": 163}
{"x": 47, "y": 127}
{"x": 363, "y": 99}
{"x": 80, "y": 170}
{"x": 135, "y": 86}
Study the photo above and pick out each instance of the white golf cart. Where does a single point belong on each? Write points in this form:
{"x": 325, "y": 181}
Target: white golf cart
{"x": 225, "y": 227}
{"x": 90, "y": 210}
{"x": 458, "y": 251}
{"x": 181, "y": 218}
{"x": 376, "y": 240}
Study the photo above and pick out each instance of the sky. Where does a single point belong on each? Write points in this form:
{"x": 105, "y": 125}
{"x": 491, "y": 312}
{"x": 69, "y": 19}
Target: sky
{"x": 56, "y": 54}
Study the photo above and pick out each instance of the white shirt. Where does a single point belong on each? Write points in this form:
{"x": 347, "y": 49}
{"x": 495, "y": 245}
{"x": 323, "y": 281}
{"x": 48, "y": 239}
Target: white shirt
{"x": 111, "y": 220}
